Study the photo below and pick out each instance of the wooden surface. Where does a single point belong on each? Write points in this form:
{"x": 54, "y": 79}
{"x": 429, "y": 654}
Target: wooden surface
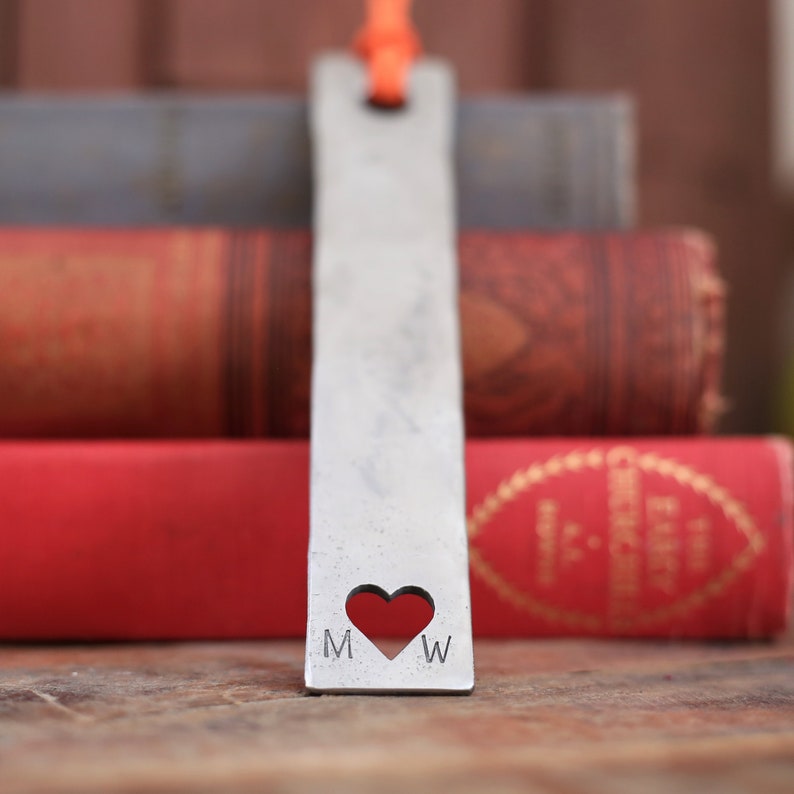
{"x": 554, "y": 716}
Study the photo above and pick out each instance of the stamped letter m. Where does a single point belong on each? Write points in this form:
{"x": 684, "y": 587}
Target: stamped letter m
{"x": 328, "y": 644}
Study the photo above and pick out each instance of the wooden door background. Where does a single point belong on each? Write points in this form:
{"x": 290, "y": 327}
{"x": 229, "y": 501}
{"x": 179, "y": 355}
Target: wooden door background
{"x": 699, "y": 71}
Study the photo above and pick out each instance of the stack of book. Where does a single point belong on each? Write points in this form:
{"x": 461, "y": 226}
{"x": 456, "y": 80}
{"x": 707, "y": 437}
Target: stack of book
{"x": 154, "y": 384}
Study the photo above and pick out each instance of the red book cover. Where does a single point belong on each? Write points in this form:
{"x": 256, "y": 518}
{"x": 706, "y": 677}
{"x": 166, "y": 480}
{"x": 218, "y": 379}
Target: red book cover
{"x": 175, "y": 540}
{"x": 206, "y": 333}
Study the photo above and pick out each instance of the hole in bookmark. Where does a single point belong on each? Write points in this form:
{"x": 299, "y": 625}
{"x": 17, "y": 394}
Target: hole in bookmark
{"x": 389, "y": 620}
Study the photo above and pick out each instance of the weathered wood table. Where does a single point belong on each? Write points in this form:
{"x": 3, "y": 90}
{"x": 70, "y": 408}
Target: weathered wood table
{"x": 547, "y": 716}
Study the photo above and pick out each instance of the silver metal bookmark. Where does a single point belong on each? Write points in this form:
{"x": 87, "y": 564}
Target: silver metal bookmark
{"x": 387, "y": 466}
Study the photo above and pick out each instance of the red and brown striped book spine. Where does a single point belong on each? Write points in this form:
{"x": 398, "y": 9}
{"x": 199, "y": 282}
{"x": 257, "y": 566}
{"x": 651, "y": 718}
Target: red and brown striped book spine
{"x": 206, "y": 333}
{"x": 141, "y": 540}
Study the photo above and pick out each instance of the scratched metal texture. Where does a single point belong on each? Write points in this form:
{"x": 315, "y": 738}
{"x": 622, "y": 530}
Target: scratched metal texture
{"x": 387, "y": 502}
{"x": 525, "y": 161}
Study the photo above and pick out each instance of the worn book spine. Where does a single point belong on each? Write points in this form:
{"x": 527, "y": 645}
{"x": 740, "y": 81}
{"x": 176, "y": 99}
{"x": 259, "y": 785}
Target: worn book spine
{"x": 206, "y": 333}
{"x": 523, "y": 162}
{"x": 153, "y": 540}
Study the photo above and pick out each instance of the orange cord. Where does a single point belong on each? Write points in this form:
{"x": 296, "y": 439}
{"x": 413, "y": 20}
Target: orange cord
{"x": 389, "y": 42}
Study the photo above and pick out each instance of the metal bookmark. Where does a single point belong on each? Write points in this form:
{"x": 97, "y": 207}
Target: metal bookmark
{"x": 387, "y": 468}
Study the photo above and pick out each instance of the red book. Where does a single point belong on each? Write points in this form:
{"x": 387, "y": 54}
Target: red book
{"x": 150, "y": 540}
{"x": 206, "y": 333}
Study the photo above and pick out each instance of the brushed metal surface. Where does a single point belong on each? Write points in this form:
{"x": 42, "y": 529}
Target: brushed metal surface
{"x": 387, "y": 468}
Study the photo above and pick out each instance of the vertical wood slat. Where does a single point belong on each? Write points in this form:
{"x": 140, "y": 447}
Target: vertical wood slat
{"x": 153, "y": 42}
{"x": 8, "y": 41}
{"x": 490, "y": 44}
{"x": 700, "y": 74}
{"x": 79, "y": 44}
{"x": 245, "y": 44}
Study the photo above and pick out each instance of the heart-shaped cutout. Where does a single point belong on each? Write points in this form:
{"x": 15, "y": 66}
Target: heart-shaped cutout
{"x": 389, "y": 620}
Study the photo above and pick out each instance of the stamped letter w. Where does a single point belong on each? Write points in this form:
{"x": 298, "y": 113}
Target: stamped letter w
{"x": 430, "y": 655}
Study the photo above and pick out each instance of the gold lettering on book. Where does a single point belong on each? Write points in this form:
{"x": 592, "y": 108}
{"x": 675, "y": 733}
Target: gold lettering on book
{"x": 546, "y": 530}
{"x": 623, "y": 499}
{"x": 570, "y": 551}
{"x": 664, "y": 548}
{"x": 625, "y": 468}
{"x": 698, "y": 545}
{"x": 557, "y": 546}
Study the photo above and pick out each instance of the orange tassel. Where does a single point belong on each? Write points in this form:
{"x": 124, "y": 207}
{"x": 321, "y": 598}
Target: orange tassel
{"x": 389, "y": 43}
